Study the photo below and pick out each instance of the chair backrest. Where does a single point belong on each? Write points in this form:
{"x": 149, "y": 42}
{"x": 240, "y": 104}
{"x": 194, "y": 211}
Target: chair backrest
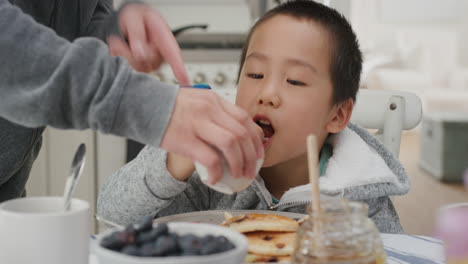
{"x": 388, "y": 111}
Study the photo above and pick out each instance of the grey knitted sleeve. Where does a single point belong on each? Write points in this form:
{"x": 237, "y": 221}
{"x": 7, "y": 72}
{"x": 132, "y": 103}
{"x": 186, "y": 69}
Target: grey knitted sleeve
{"x": 145, "y": 187}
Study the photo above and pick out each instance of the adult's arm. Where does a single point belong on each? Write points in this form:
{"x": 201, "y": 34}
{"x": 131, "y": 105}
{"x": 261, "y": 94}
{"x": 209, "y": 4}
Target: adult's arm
{"x": 103, "y": 22}
{"x": 46, "y": 80}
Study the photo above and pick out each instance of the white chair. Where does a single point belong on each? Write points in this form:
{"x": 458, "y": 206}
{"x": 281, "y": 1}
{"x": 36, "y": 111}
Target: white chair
{"x": 388, "y": 111}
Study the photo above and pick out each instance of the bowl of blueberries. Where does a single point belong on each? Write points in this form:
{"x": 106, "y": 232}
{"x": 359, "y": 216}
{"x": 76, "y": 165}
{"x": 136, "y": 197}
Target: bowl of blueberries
{"x": 172, "y": 243}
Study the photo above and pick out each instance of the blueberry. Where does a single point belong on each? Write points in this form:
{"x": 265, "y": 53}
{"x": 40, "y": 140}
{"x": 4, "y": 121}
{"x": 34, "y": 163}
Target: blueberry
{"x": 162, "y": 229}
{"x": 226, "y": 247}
{"x": 131, "y": 229}
{"x": 144, "y": 237}
{"x": 145, "y": 224}
{"x": 222, "y": 239}
{"x": 118, "y": 240}
{"x": 229, "y": 246}
{"x": 211, "y": 247}
{"x": 111, "y": 242}
{"x": 149, "y": 236}
{"x": 174, "y": 235}
{"x": 207, "y": 239}
{"x": 175, "y": 241}
{"x": 190, "y": 252}
{"x": 174, "y": 253}
{"x": 189, "y": 241}
{"x": 131, "y": 250}
{"x": 128, "y": 237}
{"x": 190, "y": 245}
{"x": 147, "y": 250}
{"x": 165, "y": 245}
{"x": 224, "y": 244}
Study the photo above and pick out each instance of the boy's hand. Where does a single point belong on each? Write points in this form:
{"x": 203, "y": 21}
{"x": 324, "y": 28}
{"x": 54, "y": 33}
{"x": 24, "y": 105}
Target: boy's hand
{"x": 202, "y": 122}
{"x": 180, "y": 167}
{"x": 150, "y": 41}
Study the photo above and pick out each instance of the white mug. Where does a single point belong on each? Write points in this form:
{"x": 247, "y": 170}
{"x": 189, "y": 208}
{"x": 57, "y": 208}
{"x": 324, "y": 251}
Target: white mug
{"x": 38, "y": 230}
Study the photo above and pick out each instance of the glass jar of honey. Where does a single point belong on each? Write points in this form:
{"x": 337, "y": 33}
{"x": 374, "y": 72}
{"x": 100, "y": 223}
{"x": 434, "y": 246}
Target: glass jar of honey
{"x": 341, "y": 233}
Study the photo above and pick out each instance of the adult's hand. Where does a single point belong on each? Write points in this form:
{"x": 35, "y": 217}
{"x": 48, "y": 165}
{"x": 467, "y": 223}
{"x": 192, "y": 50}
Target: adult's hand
{"x": 203, "y": 123}
{"x": 150, "y": 41}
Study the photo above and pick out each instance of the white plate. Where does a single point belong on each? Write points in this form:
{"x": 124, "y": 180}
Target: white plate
{"x": 217, "y": 216}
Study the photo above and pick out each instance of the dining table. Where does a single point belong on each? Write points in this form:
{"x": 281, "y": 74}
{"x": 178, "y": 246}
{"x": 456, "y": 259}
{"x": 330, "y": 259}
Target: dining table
{"x": 399, "y": 248}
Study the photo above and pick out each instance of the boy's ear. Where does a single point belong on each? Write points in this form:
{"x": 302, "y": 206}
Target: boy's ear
{"x": 340, "y": 116}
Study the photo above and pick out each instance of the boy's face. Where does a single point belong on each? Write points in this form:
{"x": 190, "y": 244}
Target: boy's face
{"x": 285, "y": 82}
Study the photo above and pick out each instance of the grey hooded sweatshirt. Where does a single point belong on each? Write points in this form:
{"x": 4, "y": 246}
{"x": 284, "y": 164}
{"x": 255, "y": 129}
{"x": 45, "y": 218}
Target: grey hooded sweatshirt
{"x": 361, "y": 169}
{"x": 45, "y": 79}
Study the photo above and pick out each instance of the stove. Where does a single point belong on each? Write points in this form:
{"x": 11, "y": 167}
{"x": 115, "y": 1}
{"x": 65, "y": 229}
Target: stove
{"x": 211, "y": 58}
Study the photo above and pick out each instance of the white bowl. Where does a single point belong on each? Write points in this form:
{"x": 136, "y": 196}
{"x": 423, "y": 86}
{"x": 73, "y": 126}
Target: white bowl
{"x": 233, "y": 256}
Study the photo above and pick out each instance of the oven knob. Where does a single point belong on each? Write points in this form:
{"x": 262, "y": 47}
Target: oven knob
{"x": 220, "y": 79}
{"x": 159, "y": 76}
{"x": 199, "y": 78}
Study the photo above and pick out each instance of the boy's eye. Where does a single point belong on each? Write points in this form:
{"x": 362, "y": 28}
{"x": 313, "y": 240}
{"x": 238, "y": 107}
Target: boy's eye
{"x": 255, "y": 76}
{"x": 294, "y": 82}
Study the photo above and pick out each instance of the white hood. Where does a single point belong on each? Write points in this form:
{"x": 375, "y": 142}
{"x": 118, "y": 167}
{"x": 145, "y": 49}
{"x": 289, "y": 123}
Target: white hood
{"x": 354, "y": 163}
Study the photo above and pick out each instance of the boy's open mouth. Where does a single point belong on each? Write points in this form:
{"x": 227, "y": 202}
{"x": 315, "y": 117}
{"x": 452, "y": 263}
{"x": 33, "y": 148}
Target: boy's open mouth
{"x": 267, "y": 127}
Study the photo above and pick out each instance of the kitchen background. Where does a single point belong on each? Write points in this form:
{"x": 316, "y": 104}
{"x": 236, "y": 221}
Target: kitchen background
{"x": 415, "y": 46}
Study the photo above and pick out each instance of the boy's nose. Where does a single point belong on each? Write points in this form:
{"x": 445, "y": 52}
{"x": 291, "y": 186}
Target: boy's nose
{"x": 269, "y": 100}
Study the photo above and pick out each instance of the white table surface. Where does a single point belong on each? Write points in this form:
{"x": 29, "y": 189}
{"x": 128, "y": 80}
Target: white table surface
{"x": 400, "y": 249}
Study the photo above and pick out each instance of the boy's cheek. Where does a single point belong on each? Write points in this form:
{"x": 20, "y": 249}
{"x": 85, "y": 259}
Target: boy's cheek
{"x": 241, "y": 97}
{"x": 242, "y": 104}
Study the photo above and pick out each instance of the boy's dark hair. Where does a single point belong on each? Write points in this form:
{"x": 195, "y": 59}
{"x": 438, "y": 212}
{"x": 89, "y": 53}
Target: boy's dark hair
{"x": 346, "y": 57}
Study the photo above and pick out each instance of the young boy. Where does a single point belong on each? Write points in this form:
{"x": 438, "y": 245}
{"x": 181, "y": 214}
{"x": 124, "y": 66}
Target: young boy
{"x": 300, "y": 71}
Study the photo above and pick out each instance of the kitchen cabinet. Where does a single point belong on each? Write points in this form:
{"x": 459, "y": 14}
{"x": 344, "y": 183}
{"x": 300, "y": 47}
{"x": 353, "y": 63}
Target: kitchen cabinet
{"x": 104, "y": 155}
